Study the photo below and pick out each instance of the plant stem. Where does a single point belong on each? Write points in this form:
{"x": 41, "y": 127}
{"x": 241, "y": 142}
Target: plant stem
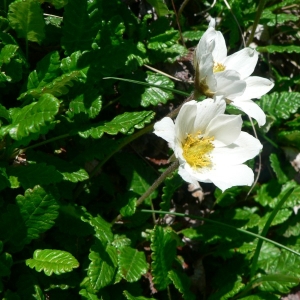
{"x": 223, "y": 225}
{"x": 265, "y": 230}
{"x": 46, "y": 142}
{"x": 259, "y": 11}
{"x": 152, "y": 188}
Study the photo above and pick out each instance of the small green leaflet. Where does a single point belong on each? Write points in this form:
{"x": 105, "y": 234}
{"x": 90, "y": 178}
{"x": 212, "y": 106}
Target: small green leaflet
{"x": 52, "y": 261}
{"x": 32, "y": 117}
{"x": 26, "y": 18}
{"x": 132, "y": 264}
{"x": 125, "y": 123}
{"x": 163, "y": 246}
{"x": 39, "y": 209}
{"x": 103, "y": 266}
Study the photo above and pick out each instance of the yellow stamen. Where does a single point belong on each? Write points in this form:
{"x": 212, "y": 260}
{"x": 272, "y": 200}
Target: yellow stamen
{"x": 196, "y": 150}
{"x": 218, "y": 67}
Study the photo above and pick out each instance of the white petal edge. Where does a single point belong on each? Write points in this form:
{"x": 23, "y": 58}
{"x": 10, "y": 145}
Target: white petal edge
{"x": 227, "y": 177}
{"x": 243, "y": 61}
{"x": 251, "y": 109}
{"x": 187, "y": 176}
{"x": 165, "y": 128}
{"x": 184, "y": 122}
{"x": 244, "y": 148}
{"x": 219, "y": 52}
{"x": 225, "y": 129}
{"x": 206, "y": 111}
{"x": 256, "y": 87}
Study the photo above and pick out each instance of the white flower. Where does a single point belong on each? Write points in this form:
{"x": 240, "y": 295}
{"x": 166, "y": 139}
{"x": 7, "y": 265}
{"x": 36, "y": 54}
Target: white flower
{"x": 220, "y": 75}
{"x": 210, "y": 145}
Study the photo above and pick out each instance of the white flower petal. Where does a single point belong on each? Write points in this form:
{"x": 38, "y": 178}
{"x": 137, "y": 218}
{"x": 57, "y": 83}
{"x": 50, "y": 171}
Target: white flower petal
{"x": 226, "y": 177}
{"x": 251, "y": 109}
{"x": 256, "y": 87}
{"x": 229, "y": 84}
{"x": 206, "y": 65}
{"x": 186, "y": 175}
{"x": 165, "y": 129}
{"x": 225, "y": 129}
{"x": 244, "y": 148}
{"x": 184, "y": 123}
{"x": 243, "y": 61}
{"x": 220, "y": 50}
{"x": 206, "y": 111}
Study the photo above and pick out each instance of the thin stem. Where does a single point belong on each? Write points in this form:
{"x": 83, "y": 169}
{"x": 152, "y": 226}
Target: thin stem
{"x": 259, "y": 11}
{"x": 270, "y": 141}
{"x": 223, "y": 225}
{"x": 228, "y": 6}
{"x": 178, "y": 23}
{"x": 182, "y": 6}
{"x": 46, "y": 142}
{"x": 265, "y": 230}
{"x": 161, "y": 72}
{"x": 259, "y": 160}
{"x": 153, "y": 187}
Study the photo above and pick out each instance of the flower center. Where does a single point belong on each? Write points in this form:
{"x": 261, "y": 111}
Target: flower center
{"x": 196, "y": 150}
{"x": 218, "y": 67}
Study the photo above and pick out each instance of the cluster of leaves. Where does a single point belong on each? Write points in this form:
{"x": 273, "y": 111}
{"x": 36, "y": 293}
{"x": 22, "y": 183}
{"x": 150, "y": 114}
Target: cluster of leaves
{"x": 72, "y": 167}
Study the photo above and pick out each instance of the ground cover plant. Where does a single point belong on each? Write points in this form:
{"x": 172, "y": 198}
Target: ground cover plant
{"x": 94, "y": 205}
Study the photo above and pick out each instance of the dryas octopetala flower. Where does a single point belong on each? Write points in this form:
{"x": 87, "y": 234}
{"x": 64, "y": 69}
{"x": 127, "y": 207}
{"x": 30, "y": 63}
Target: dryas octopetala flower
{"x": 209, "y": 144}
{"x": 229, "y": 76}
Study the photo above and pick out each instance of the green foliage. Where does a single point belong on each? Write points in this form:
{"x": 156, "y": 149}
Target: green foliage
{"x": 26, "y": 18}
{"x": 52, "y": 261}
{"x": 77, "y": 109}
{"x": 163, "y": 245}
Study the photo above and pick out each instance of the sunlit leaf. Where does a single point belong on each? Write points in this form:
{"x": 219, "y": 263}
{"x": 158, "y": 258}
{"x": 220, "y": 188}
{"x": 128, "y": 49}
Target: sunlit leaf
{"x": 52, "y": 261}
{"x": 26, "y": 18}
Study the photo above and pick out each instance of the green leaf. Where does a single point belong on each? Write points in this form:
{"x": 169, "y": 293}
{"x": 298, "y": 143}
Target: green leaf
{"x": 47, "y": 70}
{"x": 5, "y": 264}
{"x": 275, "y": 164}
{"x": 129, "y": 209}
{"x": 52, "y": 261}
{"x": 132, "y": 264}
{"x": 280, "y": 105}
{"x": 58, "y": 87}
{"x": 290, "y": 138}
{"x": 139, "y": 178}
{"x": 163, "y": 40}
{"x": 171, "y": 185}
{"x": 125, "y": 123}
{"x": 279, "y": 49}
{"x": 163, "y": 245}
{"x": 32, "y": 117}
{"x": 192, "y": 35}
{"x": 33, "y": 174}
{"x": 39, "y": 295}
{"x": 39, "y": 209}
{"x": 85, "y": 294}
{"x": 68, "y": 170}
{"x": 285, "y": 271}
{"x": 101, "y": 227}
{"x": 160, "y": 7}
{"x": 121, "y": 241}
{"x": 89, "y": 103}
{"x": 82, "y": 21}
{"x": 103, "y": 266}
{"x": 130, "y": 297}
{"x": 278, "y": 18}
{"x": 153, "y": 95}
{"x": 7, "y": 53}
{"x": 26, "y": 18}
{"x": 182, "y": 283}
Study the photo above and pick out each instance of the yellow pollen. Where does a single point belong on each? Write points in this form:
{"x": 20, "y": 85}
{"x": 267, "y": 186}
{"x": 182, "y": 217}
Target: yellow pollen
{"x": 218, "y": 67}
{"x": 196, "y": 150}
